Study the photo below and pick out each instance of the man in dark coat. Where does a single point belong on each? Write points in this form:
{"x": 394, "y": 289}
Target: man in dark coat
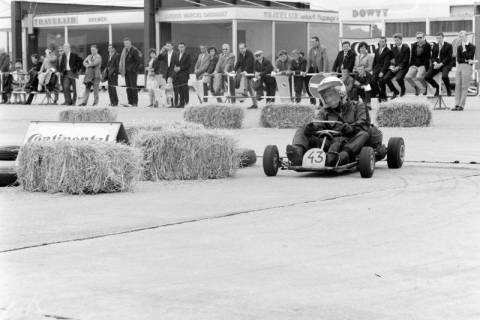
{"x": 111, "y": 73}
{"x": 4, "y": 67}
{"x": 263, "y": 69}
{"x": 32, "y": 84}
{"x": 345, "y": 59}
{"x": 166, "y": 58}
{"x": 245, "y": 64}
{"x": 70, "y": 64}
{"x": 419, "y": 63}
{"x": 182, "y": 64}
{"x": 441, "y": 61}
{"x": 381, "y": 62}
{"x": 399, "y": 66}
{"x": 129, "y": 64}
{"x": 299, "y": 68}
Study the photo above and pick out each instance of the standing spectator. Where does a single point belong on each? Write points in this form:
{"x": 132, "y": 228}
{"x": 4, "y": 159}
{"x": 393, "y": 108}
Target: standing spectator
{"x": 282, "y": 67}
{"x": 166, "y": 57}
{"x": 299, "y": 68}
{"x": 201, "y": 67}
{"x": 111, "y": 74}
{"x": 208, "y": 76}
{"x": 364, "y": 58}
{"x": 441, "y": 61}
{"x": 381, "y": 62}
{"x": 151, "y": 83}
{"x": 362, "y": 87}
{"x": 463, "y": 74}
{"x": 130, "y": 60}
{"x": 4, "y": 67}
{"x": 317, "y": 62}
{"x": 225, "y": 65}
{"x": 345, "y": 59}
{"x": 419, "y": 62}
{"x": 245, "y": 65}
{"x": 70, "y": 64}
{"x": 398, "y": 70}
{"x": 32, "y": 84}
{"x": 180, "y": 79}
{"x": 92, "y": 64}
{"x": 263, "y": 69}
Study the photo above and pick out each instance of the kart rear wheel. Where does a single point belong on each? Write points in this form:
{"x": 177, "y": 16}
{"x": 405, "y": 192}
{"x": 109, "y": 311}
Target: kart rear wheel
{"x": 366, "y": 162}
{"x": 395, "y": 152}
{"x": 271, "y": 160}
{"x": 9, "y": 153}
{"x": 8, "y": 176}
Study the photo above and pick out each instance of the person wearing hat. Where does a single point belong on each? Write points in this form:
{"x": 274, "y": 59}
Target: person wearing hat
{"x": 352, "y": 122}
{"x": 263, "y": 69}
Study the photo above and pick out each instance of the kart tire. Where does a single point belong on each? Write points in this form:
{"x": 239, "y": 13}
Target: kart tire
{"x": 395, "y": 152}
{"x": 366, "y": 162}
{"x": 271, "y": 160}
{"x": 247, "y": 158}
{"x": 8, "y": 177}
{"x": 9, "y": 153}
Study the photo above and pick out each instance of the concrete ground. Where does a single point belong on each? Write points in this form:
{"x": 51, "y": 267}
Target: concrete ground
{"x": 402, "y": 245}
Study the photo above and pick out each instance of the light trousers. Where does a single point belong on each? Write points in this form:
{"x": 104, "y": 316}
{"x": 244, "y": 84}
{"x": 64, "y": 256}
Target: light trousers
{"x": 463, "y": 77}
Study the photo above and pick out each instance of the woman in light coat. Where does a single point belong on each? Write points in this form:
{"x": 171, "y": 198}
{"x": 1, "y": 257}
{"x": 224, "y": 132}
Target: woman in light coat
{"x": 93, "y": 75}
{"x": 364, "y": 58}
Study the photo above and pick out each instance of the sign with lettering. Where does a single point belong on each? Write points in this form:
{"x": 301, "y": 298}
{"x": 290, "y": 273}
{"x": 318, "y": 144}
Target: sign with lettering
{"x": 369, "y": 13}
{"x": 75, "y": 131}
{"x": 134, "y": 16}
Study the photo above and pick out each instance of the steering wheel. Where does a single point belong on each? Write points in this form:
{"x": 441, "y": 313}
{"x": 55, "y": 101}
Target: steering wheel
{"x": 328, "y": 133}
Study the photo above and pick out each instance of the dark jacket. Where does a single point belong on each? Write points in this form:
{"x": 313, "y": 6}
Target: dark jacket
{"x": 133, "y": 59}
{"x": 424, "y": 58}
{"x": 265, "y": 68}
{"x": 75, "y": 63}
{"x": 112, "y": 66}
{"x": 298, "y": 66}
{"x": 366, "y": 79}
{"x": 212, "y": 65}
{"x": 381, "y": 62}
{"x": 446, "y": 54}
{"x": 469, "y": 53}
{"x": 401, "y": 56}
{"x": 351, "y": 112}
{"x": 184, "y": 63}
{"x": 164, "y": 69}
{"x": 344, "y": 63}
{"x": 245, "y": 63}
{"x": 4, "y": 62}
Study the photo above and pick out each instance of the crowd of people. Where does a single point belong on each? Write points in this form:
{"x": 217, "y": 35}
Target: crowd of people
{"x": 220, "y": 74}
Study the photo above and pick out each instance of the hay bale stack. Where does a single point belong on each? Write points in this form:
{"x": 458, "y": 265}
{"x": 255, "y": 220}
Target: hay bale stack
{"x": 88, "y": 115}
{"x": 286, "y": 115}
{"x": 216, "y": 116}
{"x": 187, "y": 154}
{"x": 404, "y": 114}
{"x": 135, "y": 130}
{"x": 78, "y": 167}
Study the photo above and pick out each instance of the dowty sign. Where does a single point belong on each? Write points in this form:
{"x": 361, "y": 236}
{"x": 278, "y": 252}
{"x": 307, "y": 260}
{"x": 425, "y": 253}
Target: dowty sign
{"x": 369, "y": 13}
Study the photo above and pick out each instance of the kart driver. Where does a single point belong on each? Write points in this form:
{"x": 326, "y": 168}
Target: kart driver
{"x": 353, "y": 125}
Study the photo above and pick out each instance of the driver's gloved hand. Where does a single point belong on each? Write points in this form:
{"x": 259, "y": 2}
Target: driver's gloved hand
{"x": 347, "y": 128}
{"x": 310, "y": 129}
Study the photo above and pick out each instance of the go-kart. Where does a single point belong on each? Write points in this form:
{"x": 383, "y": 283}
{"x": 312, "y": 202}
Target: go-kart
{"x": 314, "y": 158}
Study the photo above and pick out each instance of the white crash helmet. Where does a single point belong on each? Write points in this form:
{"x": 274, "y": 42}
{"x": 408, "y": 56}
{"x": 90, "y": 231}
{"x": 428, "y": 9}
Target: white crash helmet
{"x": 332, "y": 82}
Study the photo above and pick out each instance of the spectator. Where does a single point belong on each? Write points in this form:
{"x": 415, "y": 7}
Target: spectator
{"x": 208, "y": 76}
{"x": 361, "y": 86}
{"x": 92, "y": 64}
{"x": 152, "y": 84}
{"x": 166, "y": 58}
{"x": 245, "y": 65}
{"x": 348, "y": 82}
{"x": 381, "y": 62}
{"x": 181, "y": 75}
{"x": 4, "y": 68}
{"x": 299, "y": 68}
{"x": 225, "y": 65}
{"x": 47, "y": 77}
{"x": 282, "y": 67}
{"x": 463, "y": 74}
{"x": 201, "y": 67}
{"x": 399, "y": 68}
{"x": 419, "y": 62}
{"x": 364, "y": 58}
{"x": 317, "y": 62}
{"x": 70, "y": 64}
{"x": 130, "y": 60}
{"x": 32, "y": 84}
{"x": 263, "y": 69}
{"x": 345, "y": 59}
{"x": 441, "y": 61}
{"x": 19, "y": 81}
{"x": 111, "y": 74}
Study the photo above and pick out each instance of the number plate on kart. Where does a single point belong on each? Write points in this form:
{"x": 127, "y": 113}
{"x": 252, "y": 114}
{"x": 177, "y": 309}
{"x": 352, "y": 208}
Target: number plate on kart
{"x": 314, "y": 159}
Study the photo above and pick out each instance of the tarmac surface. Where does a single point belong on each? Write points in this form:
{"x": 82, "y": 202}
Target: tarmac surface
{"x": 402, "y": 245}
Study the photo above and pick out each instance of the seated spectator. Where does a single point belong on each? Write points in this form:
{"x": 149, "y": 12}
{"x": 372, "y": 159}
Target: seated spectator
{"x": 348, "y": 82}
{"x": 298, "y": 67}
{"x": 364, "y": 58}
{"x": 19, "y": 81}
{"x": 208, "y": 75}
{"x": 32, "y": 83}
{"x": 362, "y": 86}
{"x": 263, "y": 69}
{"x": 225, "y": 65}
{"x": 345, "y": 59}
{"x": 283, "y": 63}
{"x": 47, "y": 77}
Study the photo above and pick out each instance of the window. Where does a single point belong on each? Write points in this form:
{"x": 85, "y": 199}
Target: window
{"x": 81, "y": 38}
{"x": 451, "y": 26}
{"x": 50, "y": 37}
{"x": 356, "y": 31}
{"x": 407, "y": 29}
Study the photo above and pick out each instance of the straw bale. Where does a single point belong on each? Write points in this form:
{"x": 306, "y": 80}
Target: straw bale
{"x": 88, "y": 114}
{"x": 216, "y": 116}
{"x": 404, "y": 114}
{"x": 286, "y": 115}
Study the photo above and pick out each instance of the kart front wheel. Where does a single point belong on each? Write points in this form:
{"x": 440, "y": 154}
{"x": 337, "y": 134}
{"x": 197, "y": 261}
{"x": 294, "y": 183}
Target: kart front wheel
{"x": 271, "y": 160}
{"x": 366, "y": 162}
{"x": 395, "y": 153}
